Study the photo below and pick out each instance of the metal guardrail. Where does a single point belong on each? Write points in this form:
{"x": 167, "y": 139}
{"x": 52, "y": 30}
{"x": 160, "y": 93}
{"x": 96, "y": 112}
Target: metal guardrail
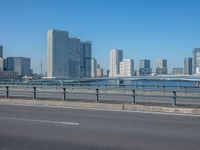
{"x": 97, "y": 84}
{"x": 134, "y": 93}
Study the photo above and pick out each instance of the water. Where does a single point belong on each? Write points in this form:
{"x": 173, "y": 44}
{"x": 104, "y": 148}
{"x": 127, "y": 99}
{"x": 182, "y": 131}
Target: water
{"x": 166, "y": 83}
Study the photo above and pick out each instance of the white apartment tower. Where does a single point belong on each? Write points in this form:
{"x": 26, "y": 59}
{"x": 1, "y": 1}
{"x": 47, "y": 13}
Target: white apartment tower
{"x": 116, "y": 56}
{"x": 127, "y": 68}
{"x": 93, "y": 68}
{"x": 196, "y": 61}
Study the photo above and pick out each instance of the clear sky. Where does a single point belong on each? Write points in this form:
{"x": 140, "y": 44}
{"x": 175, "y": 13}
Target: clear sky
{"x": 148, "y": 29}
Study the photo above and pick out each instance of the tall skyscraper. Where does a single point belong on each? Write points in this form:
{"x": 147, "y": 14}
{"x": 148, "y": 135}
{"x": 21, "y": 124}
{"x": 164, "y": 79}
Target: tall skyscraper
{"x": 21, "y": 65}
{"x": 58, "y": 54}
{"x": 86, "y": 54}
{"x": 188, "y": 66}
{"x": 127, "y": 68}
{"x": 67, "y": 57}
{"x": 1, "y": 51}
{"x": 116, "y": 56}
{"x": 145, "y": 67}
{"x": 93, "y": 67}
{"x": 196, "y": 61}
{"x": 73, "y": 58}
{"x": 161, "y": 66}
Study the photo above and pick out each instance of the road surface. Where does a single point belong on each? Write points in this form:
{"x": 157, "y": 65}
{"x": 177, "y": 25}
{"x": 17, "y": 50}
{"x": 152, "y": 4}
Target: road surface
{"x": 52, "y": 128}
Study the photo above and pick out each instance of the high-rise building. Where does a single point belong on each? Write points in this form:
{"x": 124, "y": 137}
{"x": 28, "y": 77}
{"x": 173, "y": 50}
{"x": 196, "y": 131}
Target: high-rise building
{"x": 161, "y": 66}
{"x": 196, "y": 61}
{"x": 73, "y": 59}
{"x": 93, "y": 67}
{"x": 127, "y": 68}
{"x": 58, "y": 54}
{"x": 145, "y": 67}
{"x": 1, "y": 51}
{"x": 86, "y": 54}
{"x": 67, "y": 57}
{"x": 116, "y": 56}
{"x": 188, "y": 66}
{"x": 21, "y": 65}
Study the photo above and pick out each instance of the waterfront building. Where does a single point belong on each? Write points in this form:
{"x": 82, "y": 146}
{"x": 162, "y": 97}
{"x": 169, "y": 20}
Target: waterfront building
{"x": 1, "y": 51}
{"x": 107, "y": 73}
{"x": 127, "y": 68}
{"x": 8, "y": 75}
{"x": 145, "y": 67}
{"x": 58, "y": 58}
{"x": 196, "y": 61}
{"x": 1, "y": 64}
{"x": 188, "y": 66}
{"x": 93, "y": 67}
{"x": 67, "y": 57}
{"x": 73, "y": 59}
{"x": 177, "y": 71}
{"x": 161, "y": 66}
{"x": 116, "y": 56}
{"x": 85, "y": 59}
{"x": 21, "y": 65}
{"x": 99, "y": 71}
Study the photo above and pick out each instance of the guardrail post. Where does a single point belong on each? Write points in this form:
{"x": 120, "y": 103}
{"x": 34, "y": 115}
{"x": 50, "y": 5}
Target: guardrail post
{"x": 7, "y": 91}
{"x": 34, "y": 93}
{"x": 133, "y": 95}
{"x": 174, "y": 98}
{"x": 97, "y": 95}
{"x": 64, "y": 94}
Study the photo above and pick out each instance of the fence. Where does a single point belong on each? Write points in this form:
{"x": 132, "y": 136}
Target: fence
{"x": 99, "y": 93}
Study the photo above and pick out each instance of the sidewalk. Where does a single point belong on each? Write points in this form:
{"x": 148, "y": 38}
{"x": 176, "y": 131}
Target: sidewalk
{"x": 107, "y": 106}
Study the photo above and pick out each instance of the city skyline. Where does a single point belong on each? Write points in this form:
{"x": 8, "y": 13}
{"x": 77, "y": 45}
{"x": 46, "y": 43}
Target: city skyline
{"x": 163, "y": 29}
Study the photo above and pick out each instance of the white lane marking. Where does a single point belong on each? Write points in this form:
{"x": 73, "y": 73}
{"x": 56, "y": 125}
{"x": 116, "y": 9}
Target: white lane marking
{"x": 101, "y": 109}
{"x": 40, "y": 121}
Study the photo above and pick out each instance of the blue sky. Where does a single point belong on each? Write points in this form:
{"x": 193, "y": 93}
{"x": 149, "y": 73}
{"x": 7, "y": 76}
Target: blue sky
{"x": 148, "y": 29}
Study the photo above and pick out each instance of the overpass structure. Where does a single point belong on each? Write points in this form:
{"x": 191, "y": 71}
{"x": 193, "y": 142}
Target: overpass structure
{"x": 161, "y": 77}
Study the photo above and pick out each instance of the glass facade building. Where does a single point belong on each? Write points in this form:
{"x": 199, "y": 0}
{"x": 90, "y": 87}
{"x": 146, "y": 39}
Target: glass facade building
{"x": 188, "y": 66}
{"x": 68, "y": 58}
{"x": 21, "y": 65}
{"x": 145, "y": 67}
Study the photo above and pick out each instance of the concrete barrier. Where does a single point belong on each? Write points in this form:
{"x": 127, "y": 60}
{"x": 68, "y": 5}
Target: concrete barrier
{"x": 92, "y": 105}
{"x": 177, "y": 110}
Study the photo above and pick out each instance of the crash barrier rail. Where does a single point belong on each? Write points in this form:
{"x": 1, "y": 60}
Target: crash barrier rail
{"x": 133, "y": 92}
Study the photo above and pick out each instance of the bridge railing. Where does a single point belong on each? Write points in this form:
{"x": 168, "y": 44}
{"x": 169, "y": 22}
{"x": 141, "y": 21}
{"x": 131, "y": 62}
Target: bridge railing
{"x": 100, "y": 93}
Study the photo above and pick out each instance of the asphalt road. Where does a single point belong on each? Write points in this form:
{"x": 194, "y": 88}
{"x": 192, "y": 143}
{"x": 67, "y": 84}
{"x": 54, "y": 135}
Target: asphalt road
{"x": 50, "y": 128}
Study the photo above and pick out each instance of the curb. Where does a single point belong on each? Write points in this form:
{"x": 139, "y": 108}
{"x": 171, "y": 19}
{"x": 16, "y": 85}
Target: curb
{"x": 90, "y": 105}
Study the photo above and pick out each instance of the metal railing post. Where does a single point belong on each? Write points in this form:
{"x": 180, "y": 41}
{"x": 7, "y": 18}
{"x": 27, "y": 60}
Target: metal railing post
{"x": 7, "y": 91}
{"x": 64, "y": 94}
{"x": 174, "y": 98}
{"x": 97, "y": 95}
{"x": 34, "y": 93}
{"x": 133, "y": 96}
